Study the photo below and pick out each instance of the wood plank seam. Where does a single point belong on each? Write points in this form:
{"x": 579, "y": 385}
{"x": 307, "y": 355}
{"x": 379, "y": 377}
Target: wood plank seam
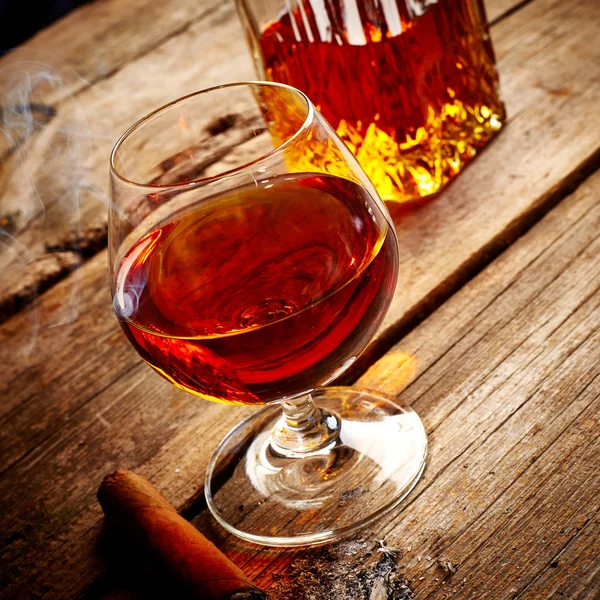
{"x": 570, "y": 353}
{"x": 500, "y": 294}
{"x": 499, "y": 326}
{"x": 471, "y": 268}
{"x": 138, "y": 363}
{"x": 574, "y": 336}
{"x": 105, "y": 76}
{"x": 524, "y": 266}
{"x": 193, "y": 505}
{"x": 488, "y": 434}
{"x": 102, "y": 242}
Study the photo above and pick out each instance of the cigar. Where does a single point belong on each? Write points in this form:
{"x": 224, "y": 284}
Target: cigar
{"x": 134, "y": 508}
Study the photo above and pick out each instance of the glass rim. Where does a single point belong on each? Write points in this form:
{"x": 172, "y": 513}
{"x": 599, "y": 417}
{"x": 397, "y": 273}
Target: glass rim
{"x": 140, "y": 122}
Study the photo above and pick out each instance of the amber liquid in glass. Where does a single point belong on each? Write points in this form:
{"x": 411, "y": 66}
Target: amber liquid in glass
{"x": 261, "y": 293}
{"x": 414, "y": 96}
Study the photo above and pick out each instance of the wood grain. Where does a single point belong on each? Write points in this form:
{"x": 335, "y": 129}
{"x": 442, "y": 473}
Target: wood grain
{"x": 499, "y": 9}
{"x": 97, "y": 39}
{"x": 54, "y": 198}
{"x": 506, "y": 378}
{"x": 442, "y": 244}
{"x": 77, "y": 402}
{"x": 54, "y": 187}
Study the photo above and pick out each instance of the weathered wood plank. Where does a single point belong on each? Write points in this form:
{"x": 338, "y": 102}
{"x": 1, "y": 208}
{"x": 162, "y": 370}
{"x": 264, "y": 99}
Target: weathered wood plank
{"x": 61, "y": 474}
{"x": 505, "y": 376}
{"x": 507, "y": 380}
{"x": 54, "y": 199}
{"x": 54, "y": 186}
{"x": 44, "y": 75}
{"x": 443, "y": 243}
{"x": 97, "y": 39}
{"x": 120, "y": 33}
{"x": 556, "y": 581}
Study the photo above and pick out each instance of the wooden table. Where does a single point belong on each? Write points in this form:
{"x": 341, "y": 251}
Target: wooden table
{"x": 493, "y": 335}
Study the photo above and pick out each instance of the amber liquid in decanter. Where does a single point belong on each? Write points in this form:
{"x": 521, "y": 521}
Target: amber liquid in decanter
{"x": 412, "y": 91}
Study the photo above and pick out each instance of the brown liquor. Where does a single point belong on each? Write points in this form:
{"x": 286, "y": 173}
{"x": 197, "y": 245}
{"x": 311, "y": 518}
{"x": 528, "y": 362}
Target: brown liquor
{"x": 410, "y": 86}
{"x": 261, "y": 293}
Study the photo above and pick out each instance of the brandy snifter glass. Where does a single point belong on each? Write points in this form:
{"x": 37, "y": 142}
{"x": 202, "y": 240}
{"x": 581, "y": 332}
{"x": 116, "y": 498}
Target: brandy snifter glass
{"x": 251, "y": 262}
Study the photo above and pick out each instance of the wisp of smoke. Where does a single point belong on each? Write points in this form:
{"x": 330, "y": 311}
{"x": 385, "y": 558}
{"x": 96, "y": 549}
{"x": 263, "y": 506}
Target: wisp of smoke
{"x": 47, "y": 153}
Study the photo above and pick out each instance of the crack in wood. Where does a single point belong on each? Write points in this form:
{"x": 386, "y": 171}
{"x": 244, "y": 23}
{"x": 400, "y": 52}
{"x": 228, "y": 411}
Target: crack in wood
{"x": 471, "y": 268}
{"x": 507, "y": 13}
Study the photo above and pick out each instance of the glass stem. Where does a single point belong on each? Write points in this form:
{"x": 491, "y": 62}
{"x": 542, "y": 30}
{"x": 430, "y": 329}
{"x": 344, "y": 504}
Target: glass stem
{"x": 304, "y": 428}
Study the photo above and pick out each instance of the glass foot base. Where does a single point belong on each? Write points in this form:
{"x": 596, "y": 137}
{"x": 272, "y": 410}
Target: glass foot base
{"x": 266, "y": 498}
